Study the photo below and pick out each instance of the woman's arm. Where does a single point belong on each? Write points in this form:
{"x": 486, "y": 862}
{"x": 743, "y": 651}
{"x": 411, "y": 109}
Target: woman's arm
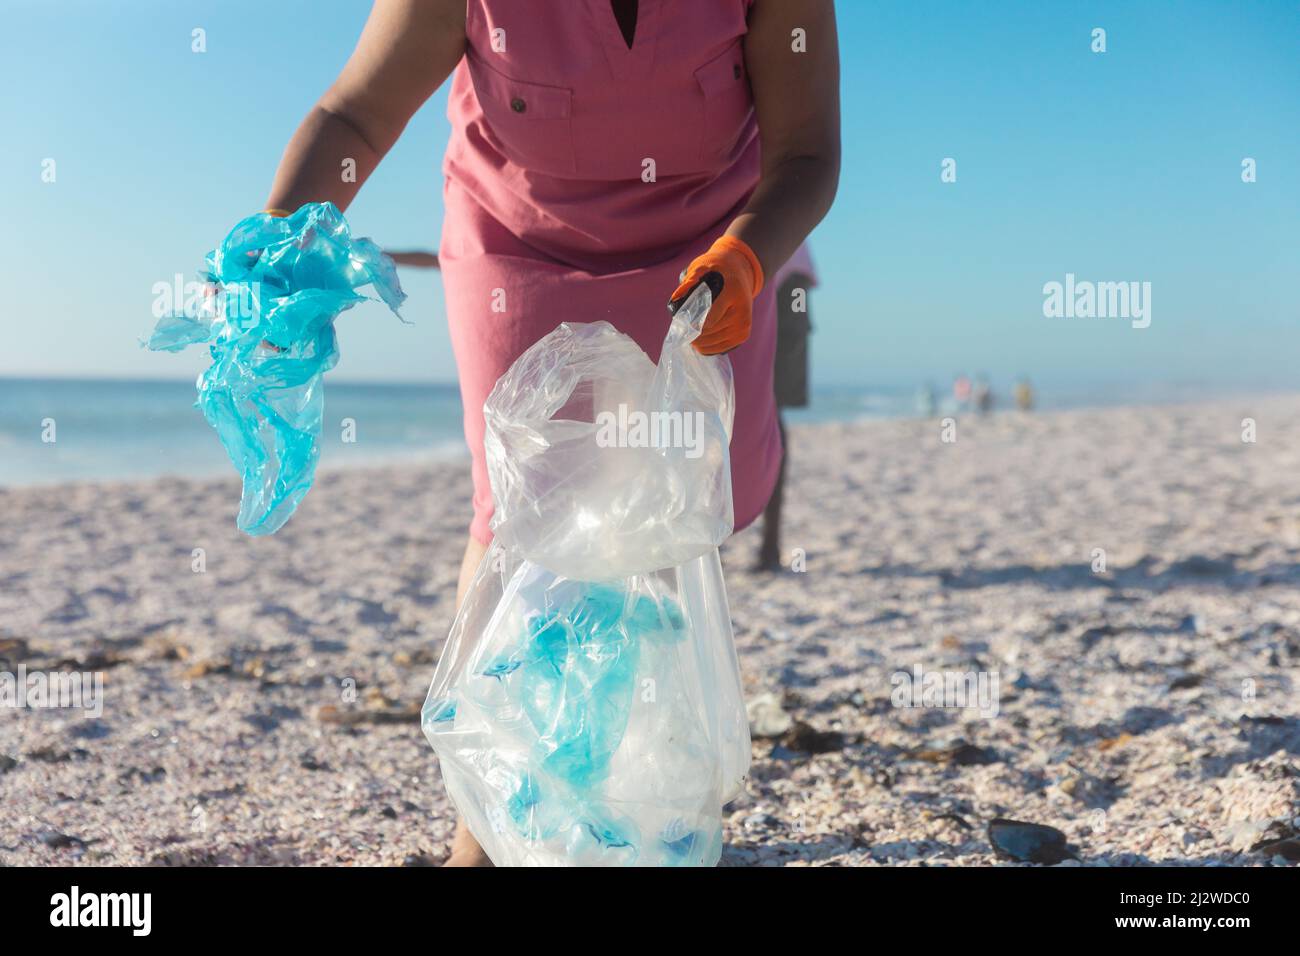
{"x": 407, "y": 49}
{"x": 418, "y": 258}
{"x": 797, "y": 99}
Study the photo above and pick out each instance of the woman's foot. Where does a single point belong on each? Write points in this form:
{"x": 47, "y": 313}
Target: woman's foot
{"x": 769, "y": 558}
{"x": 465, "y": 850}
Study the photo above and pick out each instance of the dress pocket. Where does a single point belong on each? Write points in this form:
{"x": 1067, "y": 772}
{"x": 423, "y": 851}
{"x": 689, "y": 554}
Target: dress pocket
{"x": 728, "y": 102}
{"x": 530, "y": 122}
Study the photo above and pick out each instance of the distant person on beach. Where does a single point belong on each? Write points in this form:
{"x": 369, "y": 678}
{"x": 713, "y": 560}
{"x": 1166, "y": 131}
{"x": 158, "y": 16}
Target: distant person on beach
{"x": 789, "y": 381}
{"x": 1024, "y": 395}
{"x": 926, "y": 402}
{"x": 961, "y": 391}
{"x": 605, "y": 158}
{"x": 982, "y": 395}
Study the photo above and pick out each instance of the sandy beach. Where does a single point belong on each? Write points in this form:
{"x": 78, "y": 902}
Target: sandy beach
{"x": 261, "y": 696}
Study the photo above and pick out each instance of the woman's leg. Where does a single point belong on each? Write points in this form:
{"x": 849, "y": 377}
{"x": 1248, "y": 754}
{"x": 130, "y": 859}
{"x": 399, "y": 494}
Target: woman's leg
{"x": 474, "y": 551}
{"x": 790, "y": 386}
{"x": 769, "y": 552}
{"x": 465, "y": 850}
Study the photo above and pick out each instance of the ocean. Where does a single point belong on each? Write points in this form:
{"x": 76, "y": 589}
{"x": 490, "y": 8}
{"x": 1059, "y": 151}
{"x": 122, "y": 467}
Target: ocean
{"x": 122, "y": 429}
{"x": 116, "y": 430}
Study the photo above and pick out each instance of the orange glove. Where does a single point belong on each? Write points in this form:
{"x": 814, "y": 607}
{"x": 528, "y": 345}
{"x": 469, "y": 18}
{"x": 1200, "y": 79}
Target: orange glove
{"x": 729, "y": 320}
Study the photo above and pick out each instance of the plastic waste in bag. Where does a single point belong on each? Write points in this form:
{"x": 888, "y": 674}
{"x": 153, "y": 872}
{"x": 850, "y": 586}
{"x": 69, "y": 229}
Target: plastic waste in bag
{"x": 278, "y": 284}
{"x": 587, "y": 707}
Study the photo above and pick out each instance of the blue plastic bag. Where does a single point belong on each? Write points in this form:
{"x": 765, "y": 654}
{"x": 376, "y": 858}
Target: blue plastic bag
{"x": 279, "y": 284}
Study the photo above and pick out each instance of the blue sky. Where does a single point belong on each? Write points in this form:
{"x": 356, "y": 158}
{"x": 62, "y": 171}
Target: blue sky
{"x": 1117, "y": 166}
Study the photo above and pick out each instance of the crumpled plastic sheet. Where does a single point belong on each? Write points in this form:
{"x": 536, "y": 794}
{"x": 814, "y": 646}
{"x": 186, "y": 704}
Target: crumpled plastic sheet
{"x": 279, "y": 285}
{"x": 587, "y": 708}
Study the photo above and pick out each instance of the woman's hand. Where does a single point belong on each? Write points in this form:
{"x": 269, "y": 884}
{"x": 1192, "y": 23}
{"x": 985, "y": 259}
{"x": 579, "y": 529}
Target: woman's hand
{"x": 796, "y": 98}
{"x": 732, "y": 314}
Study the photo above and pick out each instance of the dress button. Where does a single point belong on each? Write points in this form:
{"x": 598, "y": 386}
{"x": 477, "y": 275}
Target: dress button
{"x": 518, "y": 105}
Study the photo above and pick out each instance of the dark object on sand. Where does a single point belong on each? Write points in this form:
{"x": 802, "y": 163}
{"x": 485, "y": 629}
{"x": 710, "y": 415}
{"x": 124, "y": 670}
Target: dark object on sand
{"x": 1287, "y": 849}
{"x": 960, "y": 753}
{"x": 807, "y": 739}
{"x": 13, "y": 651}
{"x": 1028, "y": 842}
{"x": 57, "y": 840}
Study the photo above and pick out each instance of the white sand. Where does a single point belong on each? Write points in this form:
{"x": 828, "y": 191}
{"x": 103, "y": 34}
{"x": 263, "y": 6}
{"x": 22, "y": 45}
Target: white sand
{"x": 225, "y": 737}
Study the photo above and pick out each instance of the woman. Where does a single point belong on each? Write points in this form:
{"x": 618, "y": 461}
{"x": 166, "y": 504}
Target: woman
{"x": 604, "y": 156}
{"x": 789, "y": 382}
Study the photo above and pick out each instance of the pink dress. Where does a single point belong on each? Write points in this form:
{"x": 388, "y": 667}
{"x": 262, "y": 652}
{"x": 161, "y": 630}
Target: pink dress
{"x": 581, "y": 178}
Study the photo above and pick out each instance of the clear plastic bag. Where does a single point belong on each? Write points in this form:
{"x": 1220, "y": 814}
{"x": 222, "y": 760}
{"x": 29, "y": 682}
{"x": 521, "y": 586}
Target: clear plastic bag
{"x": 587, "y": 708}
{"x": 603, "y": 464}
